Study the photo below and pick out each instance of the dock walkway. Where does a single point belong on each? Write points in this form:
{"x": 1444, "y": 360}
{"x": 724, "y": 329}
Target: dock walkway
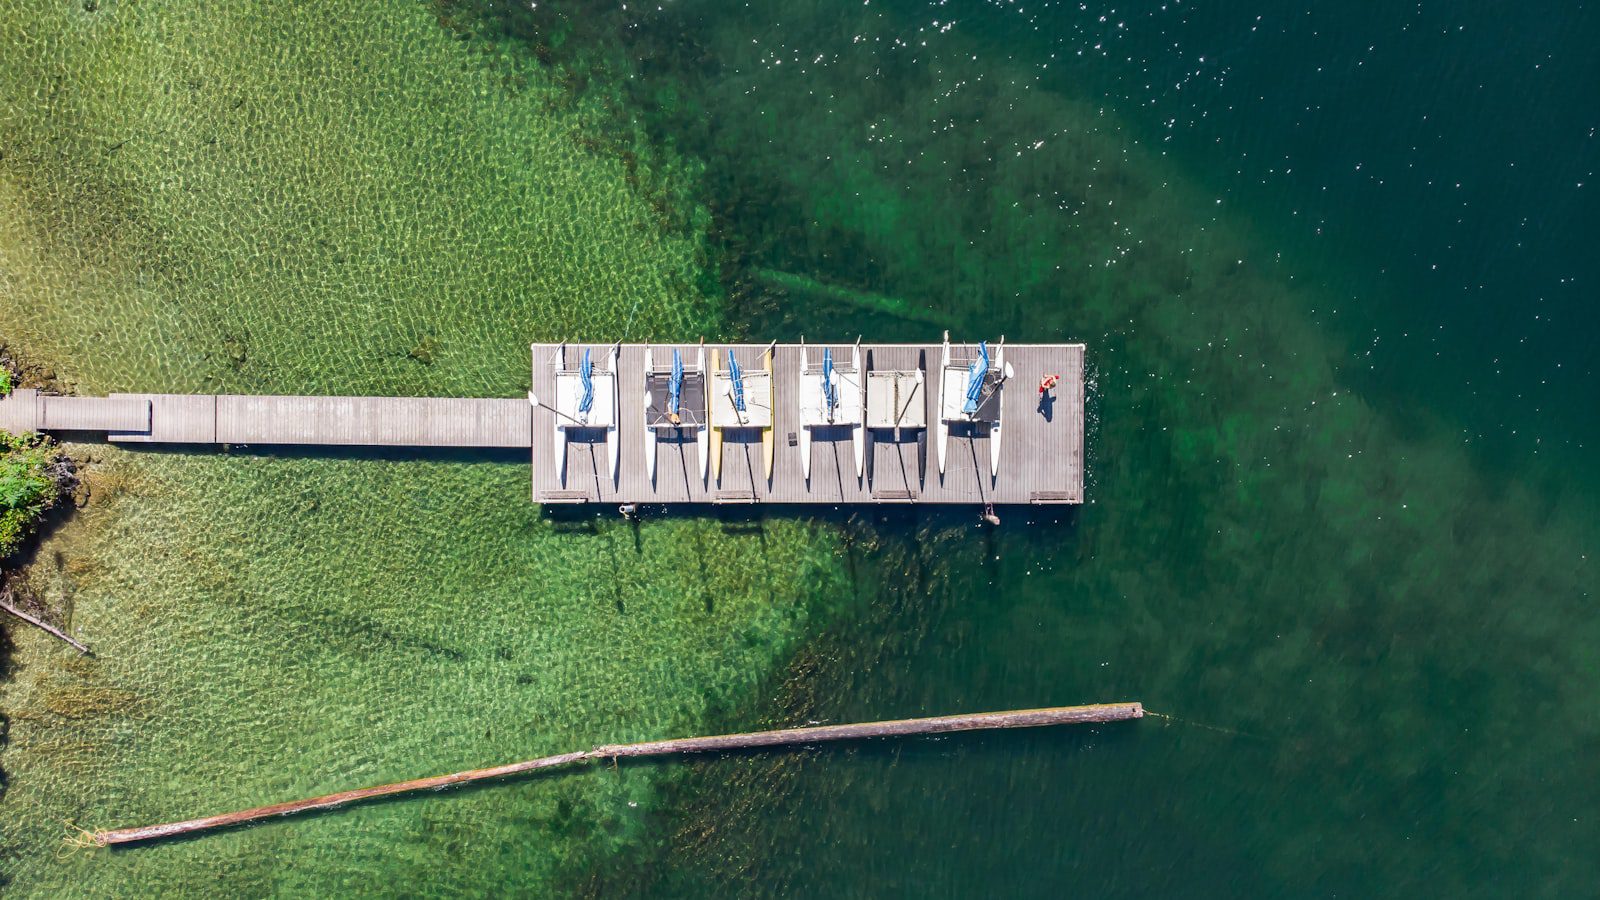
{"x": 1041, "y": 457}
{"x": 245, "y": 419}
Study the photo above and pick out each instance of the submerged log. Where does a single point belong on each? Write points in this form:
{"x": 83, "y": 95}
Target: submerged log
{"x": 1027, "y": 718}
{"x": 878, "y": 303}
{"x": 44, "y": 626}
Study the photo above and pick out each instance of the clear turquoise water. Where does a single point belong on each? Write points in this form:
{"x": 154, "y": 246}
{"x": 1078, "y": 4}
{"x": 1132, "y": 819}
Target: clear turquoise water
{"x": 1330, "y": 262}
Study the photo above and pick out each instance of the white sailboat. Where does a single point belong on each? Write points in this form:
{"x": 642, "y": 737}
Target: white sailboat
{"x": 742, "y": 400}
{"x": 897, "y": 407}
{"x": 831, "y": 396}
{"x": 675, "y": 404}
{"x": 970, "y": 394}
{"x": 586, "y": 399}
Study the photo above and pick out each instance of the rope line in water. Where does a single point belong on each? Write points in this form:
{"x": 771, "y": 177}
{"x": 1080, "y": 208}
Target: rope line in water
{"x": 1216, "y": 728}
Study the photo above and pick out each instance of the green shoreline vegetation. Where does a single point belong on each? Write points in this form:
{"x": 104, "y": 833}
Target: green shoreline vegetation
{"x": 32, "y": 474}
{"x": 361, "y": 201}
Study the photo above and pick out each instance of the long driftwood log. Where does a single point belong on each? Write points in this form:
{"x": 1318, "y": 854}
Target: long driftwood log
{"x": 1026, "y": 718}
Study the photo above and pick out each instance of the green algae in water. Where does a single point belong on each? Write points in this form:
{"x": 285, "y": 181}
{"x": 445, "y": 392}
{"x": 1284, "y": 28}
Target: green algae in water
{"x": 1244, "y": 563}
{"x": 349, "y": 622}
{"x": 253, "y": 200}
{"x": 363, "y": 201}
{"x": 1397, "y": 644}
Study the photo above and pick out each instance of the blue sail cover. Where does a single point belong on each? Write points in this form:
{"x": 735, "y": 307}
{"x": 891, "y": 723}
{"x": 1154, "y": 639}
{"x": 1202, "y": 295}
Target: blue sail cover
{"x": 980, "y": 368}
{"x": 830, "y": 394}
{"x": 736, "y": 377}
{"x": 675, "y": 386}
{"x": 586, "y": 376}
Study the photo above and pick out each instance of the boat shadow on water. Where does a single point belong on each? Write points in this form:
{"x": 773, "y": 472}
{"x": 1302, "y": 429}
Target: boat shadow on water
{"x": 751, "y": 519}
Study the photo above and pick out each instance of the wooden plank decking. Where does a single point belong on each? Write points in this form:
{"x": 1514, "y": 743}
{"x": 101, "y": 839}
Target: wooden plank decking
{"x": 333, "y": 421}
{"x": 29, "y": 410}
{"x": 1041, "y": 458}
{"x": 308, "y": 421}
{"x": 1041, "y": 461}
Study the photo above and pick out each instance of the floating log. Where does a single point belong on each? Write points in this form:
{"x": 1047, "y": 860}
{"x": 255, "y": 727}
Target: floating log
{"x": 44, "y": 626}
{"x": 1027, "y": 718}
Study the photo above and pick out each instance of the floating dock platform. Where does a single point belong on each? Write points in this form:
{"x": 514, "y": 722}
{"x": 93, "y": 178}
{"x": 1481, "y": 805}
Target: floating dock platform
{"x": 802, "y": 423}
{"x": 1040, "y": 456}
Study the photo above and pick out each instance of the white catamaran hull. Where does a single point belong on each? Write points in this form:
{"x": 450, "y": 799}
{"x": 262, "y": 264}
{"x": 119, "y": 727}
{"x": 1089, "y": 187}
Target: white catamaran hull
{"x": 702, "y": 433}
{"x": 649, "y": 432}
{"x": 557, "y": 427}
{"x": 943, "y": 436}
{"x": 805, "y": 452}
{"x": 1000, "y": 409}
{"x": 613, "y": 437}
{"x": 805, "y": 426}
{"x": 858, "y": 436}
{"x": 714, "y": 436}
{"x": 769, "y": 441}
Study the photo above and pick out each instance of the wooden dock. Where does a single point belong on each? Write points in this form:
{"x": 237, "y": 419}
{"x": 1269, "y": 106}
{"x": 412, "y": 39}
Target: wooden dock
{"x": 28, "y": 410}
{"x": 1040, "y": 460}
{"x": 265, "y": 420}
